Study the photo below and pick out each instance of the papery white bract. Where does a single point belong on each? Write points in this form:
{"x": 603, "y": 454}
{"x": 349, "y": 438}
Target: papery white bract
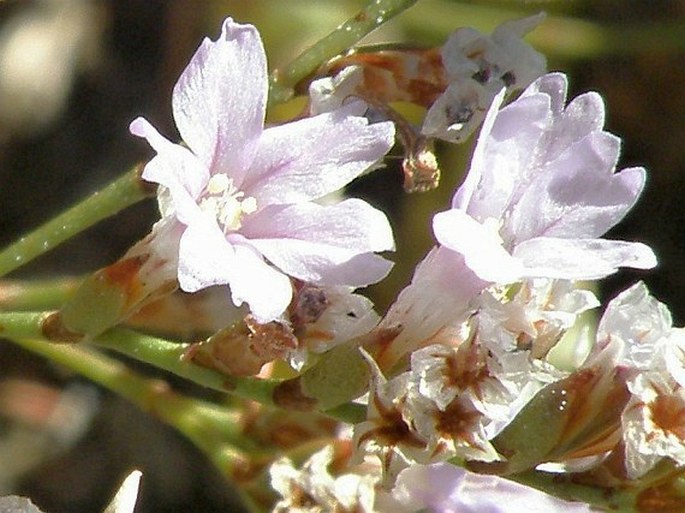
{"x": 636, "y": 330}
{"x": 535, "y": 317}
{"x": 653, "y": 423}
{"x": 639, "y": 326}
{"x": 244, "y": 193}
{"x": 313, "y": 489}
{"x": 542, "y": 190}
{"x": 343, "y": 316}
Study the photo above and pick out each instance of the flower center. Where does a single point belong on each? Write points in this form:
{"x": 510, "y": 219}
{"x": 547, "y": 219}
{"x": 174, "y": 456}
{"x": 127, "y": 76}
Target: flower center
{"x": 226, "y": 203}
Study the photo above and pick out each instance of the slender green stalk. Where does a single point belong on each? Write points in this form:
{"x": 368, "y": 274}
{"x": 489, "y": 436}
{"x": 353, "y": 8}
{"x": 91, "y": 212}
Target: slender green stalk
{"x": 155, "y": 351}
{"x": 123, "y": 192}
{"x": 213, "y": 429}
{"x": 377, "y": 12}
{"x": 160, "y": 353}
{"x": 37, "y": 294}
{"x": 170, "y": 356}
{"x": 22, "y": 324}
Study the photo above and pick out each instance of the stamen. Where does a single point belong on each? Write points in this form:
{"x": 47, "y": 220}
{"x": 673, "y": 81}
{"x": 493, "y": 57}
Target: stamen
{"x": 225, "y": 202}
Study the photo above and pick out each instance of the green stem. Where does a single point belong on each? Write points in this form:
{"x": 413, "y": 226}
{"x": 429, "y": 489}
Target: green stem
{"x": 170, "y": 357}
{"x": 160, "y": 353}
{"x": 155, "y": 351}
{"x": 377, "y": 12}
{"x": 123, "y": 192}
{"x": 214, "y": 430}
{"x": 35, "y": 294}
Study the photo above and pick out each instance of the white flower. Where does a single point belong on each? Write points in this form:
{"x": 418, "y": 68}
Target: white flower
{"x": 324, "y": 317}
{"x": 639, "y": 326}
{"x": 653, "y": 423}
{"x": 542, "y": 190}
{"x": 313, "y": 489}
{"x": 445, "y": 488}
{"x": 244, "y": 193}
{"x": 534, "y": 319}
{"x": 637, "y": 335}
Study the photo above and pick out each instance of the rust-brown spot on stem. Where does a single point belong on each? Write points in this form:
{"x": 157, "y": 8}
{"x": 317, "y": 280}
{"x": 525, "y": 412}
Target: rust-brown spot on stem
{"x": 54, "y": 330}
{"x": 124, "y": 275}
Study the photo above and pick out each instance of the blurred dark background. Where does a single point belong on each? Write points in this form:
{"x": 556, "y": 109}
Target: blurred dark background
{"x": 74, "y": 73}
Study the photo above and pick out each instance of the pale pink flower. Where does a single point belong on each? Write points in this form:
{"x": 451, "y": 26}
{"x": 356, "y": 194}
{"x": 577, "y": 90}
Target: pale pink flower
{"x": 432, "y": 308}
{"x": 445, "y": 488}
{"x": 541, "y": 191}
{"x": 244, "y": 193}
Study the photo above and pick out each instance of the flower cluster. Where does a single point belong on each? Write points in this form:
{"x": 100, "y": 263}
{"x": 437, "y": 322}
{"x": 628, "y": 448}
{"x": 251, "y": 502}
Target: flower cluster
{"x": 472, "y": 345}
{"x": 486, "y": 363}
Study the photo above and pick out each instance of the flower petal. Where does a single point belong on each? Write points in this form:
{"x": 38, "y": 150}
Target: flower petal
{"x": 265, "y": 289}
{"x": 205, "y": 257}
{"x": 312, "y": 157}
{"x": 502, "y": 158}
{"x": 323, "y": 244}
{"x": 352, "y": 224}
{"x": 553, "y": 85}
{"x": 462, "y": 197}
{"x": 482, "y": 248}
{"x": 583, "y": 115}
{"x": 581, "y": 259}
{"x": 579, "y": 193}
{"x": 445, "y": 488}
{"x": 175, "y": 168}
{"x": 219, "y": 101}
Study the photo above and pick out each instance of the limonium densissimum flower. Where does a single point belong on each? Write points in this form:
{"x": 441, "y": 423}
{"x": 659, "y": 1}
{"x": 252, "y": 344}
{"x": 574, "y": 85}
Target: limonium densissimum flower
{"x": 541, "y": 191}
{"x": 445, "y": 488}
{"x": 245, "y": 195}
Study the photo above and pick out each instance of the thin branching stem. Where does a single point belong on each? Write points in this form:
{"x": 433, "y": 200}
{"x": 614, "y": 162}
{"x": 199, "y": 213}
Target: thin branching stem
{"x": 123, "y": 192}
{"x": 283, "y": 81}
